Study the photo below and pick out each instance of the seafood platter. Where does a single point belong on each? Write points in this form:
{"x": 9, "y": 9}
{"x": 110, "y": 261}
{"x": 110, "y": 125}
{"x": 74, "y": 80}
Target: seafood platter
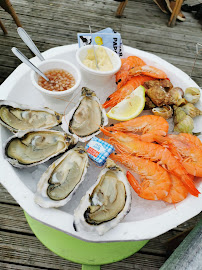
{"x": 119, "y": 160}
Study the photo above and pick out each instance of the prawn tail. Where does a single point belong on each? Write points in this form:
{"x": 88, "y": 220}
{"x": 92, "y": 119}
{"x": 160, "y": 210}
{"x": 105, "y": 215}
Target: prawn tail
{"x": 133, "y": 182}
{"x": 189, "y": 184}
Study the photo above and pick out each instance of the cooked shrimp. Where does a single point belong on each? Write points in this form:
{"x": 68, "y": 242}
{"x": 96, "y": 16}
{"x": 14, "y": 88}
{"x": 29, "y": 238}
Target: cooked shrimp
{"x": 125, "y": 90}
{"x": 189, "y": 154}
{"x": 128, "y": 143}
{"x": 122, "y": 75}
{"x": 148, "y": 71}
{"x": 178, "y": 191}
{"x": 190, "y": 138}
{"x": 146, "y": 124}
{"x": 156, "y": 181}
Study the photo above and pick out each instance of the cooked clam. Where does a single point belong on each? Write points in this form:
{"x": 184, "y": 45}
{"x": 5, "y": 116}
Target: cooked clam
{"x": 192, "y": 94}
{"x": 165, "y": 111}
{"x": 59, "y": 182}
{"x": 84, "y": 121}
{"x": 26, "y": 149}
{"x": 106, "y": 203}
{"x": 18, "y": 117}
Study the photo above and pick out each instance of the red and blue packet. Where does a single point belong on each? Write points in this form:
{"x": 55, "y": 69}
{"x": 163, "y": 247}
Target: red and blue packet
{"x": 99, "y": 150}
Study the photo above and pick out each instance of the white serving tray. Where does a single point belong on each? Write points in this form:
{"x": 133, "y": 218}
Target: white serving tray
{"x": 147, "y": 219}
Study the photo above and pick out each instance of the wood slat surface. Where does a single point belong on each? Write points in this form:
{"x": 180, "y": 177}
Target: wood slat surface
{"x": 53, "y": 23}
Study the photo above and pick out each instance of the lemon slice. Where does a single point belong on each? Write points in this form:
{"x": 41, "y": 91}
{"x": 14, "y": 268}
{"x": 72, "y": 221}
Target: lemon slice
{"x": 129, "y": 107}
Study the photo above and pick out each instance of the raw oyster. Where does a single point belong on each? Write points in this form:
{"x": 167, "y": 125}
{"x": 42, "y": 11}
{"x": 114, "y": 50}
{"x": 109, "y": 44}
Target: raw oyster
{"x": 59, "y": 182}
{"x": 192, "y": 94}
{"x": 26, "y": 149}
{"x": 84, "y": 121}
{"x": 165, "y": 111}
{"x": 18, "y": 117}
{"x": 106, "y": 203}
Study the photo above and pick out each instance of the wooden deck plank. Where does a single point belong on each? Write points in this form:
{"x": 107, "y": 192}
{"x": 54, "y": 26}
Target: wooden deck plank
{"x": 9, "y": 266}
{"x": 23, "y": 250}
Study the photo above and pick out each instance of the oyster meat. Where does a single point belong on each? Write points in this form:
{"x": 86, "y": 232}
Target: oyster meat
{"x": 26, "y": 149}
{"x": 18, "y": 117}
{"x": 106, "y": 203}
{"x": 84, "y": 121}
{"x": 59, "y": 182}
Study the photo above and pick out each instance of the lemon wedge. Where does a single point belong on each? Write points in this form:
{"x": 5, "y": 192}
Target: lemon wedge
{"x": 129, "y": 107}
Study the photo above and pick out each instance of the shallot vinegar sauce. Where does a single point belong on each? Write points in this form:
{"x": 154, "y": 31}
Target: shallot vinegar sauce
{"x": 59, "y": 80}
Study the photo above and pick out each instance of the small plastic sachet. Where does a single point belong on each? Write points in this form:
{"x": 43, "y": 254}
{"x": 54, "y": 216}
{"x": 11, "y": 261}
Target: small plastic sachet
{"x": 98, "y": 150}
{"x": 106, "y": 37}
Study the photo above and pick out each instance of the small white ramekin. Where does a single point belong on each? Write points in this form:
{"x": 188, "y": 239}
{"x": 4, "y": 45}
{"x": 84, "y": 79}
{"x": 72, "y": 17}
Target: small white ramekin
{"x": 115, "y": 59}
{"x": 56, "y": 64}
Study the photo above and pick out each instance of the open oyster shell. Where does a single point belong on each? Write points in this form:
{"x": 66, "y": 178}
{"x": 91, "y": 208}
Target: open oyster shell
{"x": 85, "y": 119}
{"x": 59, "y": 182}
{"x": 106, "y": 203}
{"x": 18, "y": 117}
{"x": 27, "y": 149}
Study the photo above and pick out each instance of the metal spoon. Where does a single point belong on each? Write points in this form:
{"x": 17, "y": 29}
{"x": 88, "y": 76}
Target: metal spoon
{"x": 29, "y": 42}
{"x": 96, "y": 62}
{"x": 25, "y": 60}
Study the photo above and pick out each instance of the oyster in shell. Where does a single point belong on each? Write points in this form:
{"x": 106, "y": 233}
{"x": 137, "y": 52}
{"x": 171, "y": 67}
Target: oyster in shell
{"x": 59, "y": 182}
{"x": 26, "y": 149}
{"x": 106, "y": 203}
{"x": 84, "y": 121}
{"x": 18, "y": 117}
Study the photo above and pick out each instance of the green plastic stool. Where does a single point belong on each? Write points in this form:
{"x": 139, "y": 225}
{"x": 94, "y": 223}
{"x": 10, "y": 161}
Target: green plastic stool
{"x": 90, "y": 255}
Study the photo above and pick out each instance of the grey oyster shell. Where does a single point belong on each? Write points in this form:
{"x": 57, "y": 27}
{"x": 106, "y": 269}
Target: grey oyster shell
{"x": 106, "y": 203}
{"x": 18, "y": 117}
{"x": 27, "y": 149}
{"x": 84, "y": 120}
{"x": 60, "y": 181}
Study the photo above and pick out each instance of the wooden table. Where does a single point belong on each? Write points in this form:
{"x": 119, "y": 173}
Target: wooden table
{"x": 54, "y": 23}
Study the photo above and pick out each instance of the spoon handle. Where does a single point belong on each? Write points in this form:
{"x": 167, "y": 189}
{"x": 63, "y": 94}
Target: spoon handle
{"x": 25, "y": 60}
{"x": 29, "y": 42}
